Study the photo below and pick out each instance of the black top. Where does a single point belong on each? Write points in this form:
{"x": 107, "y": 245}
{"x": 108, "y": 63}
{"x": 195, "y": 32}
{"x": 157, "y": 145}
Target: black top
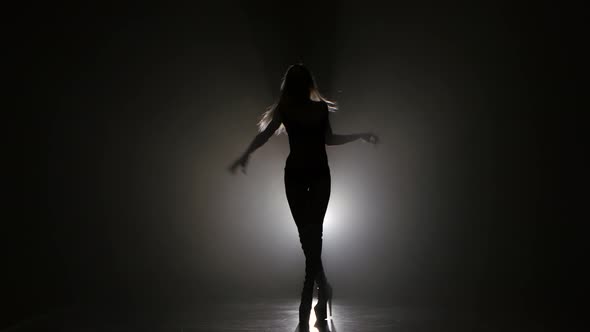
{"x": 306, "y": 124}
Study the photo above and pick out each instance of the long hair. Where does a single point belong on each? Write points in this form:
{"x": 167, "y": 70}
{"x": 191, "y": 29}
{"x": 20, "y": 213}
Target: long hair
{"x": 297, "y": 85}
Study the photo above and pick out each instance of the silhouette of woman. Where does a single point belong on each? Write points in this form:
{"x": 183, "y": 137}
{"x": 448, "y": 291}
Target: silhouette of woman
{"x": 303, "y": 113}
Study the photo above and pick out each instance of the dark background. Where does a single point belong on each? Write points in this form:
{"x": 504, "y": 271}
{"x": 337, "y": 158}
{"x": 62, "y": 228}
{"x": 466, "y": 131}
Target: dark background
{"x": 126, "y": 118}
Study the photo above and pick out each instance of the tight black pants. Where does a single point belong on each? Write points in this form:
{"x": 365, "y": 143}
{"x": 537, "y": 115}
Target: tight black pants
{"x": 308, "y": 193}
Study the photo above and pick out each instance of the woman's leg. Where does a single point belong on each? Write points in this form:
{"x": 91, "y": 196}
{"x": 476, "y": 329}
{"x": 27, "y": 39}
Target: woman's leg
{"x": 296, "y": 187}
{"x": 308, "y": 196}
{"x": 320, "y": 196}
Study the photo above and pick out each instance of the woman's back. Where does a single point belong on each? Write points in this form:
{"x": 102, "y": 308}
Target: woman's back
{"x": 305, "y": 123}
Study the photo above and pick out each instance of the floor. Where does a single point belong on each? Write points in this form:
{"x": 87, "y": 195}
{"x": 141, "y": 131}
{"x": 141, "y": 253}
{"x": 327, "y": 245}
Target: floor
{"x": 271, "y": 316}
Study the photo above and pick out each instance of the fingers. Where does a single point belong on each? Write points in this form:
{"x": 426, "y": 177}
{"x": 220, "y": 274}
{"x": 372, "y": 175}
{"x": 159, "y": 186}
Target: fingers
{"x": 243, "y": 164}
{"x": 239, "y": 163}
{"x": 375, "y": 139}
{"x": 371, "y": 138}
{"x": 232, "y": 169}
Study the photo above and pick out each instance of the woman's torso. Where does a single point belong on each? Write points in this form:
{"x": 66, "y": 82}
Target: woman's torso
{"x": 306, "y": 128}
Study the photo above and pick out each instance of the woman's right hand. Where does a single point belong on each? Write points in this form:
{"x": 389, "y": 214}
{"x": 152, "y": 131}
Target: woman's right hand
{"x": 241, "y": 162}
{"x": 370, "y": 138}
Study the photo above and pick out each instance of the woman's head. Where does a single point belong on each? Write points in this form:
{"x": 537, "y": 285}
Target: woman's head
{"x": 298, "y": 85}
{"x": 297, "y": 82}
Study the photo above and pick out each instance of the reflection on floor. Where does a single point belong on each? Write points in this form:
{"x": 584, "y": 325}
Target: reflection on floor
{"x": 271, "y": 316}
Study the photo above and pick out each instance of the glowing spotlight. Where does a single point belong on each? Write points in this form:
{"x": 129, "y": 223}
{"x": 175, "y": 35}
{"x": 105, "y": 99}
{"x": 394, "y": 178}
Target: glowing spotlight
{"x": 340, "y": 210}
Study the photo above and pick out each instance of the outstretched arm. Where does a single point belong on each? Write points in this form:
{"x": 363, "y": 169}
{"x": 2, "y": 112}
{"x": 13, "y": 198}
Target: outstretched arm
{"x": 263, "y": 137}
{"x": 334, "y": 139}
{"x": 258, "y": 141}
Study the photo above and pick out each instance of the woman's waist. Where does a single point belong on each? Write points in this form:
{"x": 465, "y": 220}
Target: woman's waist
{"x": 307, "y": 163}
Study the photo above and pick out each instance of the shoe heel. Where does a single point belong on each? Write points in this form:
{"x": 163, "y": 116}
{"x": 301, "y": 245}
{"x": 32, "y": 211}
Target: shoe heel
{"x": 329, "y": 301}
{"x": 323, "y": 310}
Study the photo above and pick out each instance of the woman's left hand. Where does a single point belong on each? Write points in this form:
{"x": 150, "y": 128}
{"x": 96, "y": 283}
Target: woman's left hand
{"x": 370, "y": 138}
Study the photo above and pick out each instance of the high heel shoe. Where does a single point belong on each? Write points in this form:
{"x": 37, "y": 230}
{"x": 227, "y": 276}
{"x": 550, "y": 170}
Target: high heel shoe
{"x": 324, "y": 302}
{"x": 321, "y": 314}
